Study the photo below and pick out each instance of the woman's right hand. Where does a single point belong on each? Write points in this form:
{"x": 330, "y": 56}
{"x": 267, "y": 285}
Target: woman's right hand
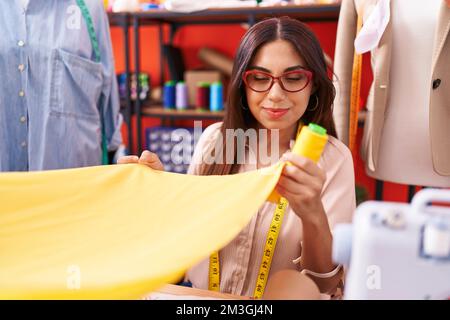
{"x": 147, "y": 158}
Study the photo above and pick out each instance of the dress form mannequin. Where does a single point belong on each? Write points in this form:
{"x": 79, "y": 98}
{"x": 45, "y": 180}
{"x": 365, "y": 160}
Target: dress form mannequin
{"x": 405, "y": 141}
{"x": 403, "y": 137}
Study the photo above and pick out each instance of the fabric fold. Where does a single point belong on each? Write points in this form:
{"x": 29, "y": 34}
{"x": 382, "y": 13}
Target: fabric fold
{"x": 116, "y": 232}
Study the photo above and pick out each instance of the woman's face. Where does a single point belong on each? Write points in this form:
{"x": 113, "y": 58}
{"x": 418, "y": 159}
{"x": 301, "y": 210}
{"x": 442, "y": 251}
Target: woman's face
{"x": 277, "y": 108}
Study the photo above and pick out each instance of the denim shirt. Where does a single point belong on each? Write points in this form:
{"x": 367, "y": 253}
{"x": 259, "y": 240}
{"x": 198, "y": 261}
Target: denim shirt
{"x": 51, "y": 87}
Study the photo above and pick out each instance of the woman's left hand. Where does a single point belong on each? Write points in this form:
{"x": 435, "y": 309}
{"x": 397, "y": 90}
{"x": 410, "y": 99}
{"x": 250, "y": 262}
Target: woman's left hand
{"x": 301, "y": 184}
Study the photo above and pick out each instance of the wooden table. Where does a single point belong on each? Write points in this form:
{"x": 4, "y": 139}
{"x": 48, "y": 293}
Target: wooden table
{"x": 174, "y": 292}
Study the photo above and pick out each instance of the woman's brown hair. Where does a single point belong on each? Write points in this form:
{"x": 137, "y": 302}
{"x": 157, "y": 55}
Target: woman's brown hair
{"x": 238, "y": 115}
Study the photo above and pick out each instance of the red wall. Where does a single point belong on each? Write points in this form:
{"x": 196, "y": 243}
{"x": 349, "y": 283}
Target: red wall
{"x": 225, "y": 38}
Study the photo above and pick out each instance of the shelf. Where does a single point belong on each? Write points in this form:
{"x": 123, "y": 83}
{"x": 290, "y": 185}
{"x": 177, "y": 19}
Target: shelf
{"x": 227, "y": 15}
{"x": 160, "y": 112}
{"x": 310, "y": 12}
{"x": 119, "y": 19}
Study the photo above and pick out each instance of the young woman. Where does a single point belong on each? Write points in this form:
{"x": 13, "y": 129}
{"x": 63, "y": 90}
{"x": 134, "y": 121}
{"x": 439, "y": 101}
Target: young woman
{"x": 279, "y": 81}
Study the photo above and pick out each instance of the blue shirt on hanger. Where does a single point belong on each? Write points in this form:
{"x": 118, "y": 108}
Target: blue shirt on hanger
{"x": 51, "y": 88}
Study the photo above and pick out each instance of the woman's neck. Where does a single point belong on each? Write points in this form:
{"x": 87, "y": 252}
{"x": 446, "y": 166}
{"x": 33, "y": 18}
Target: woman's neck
{"x": 282, "y": 137}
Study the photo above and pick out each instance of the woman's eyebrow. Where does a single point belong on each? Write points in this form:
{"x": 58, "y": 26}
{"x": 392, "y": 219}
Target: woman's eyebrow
{"x": 259, "y": 68}
{"x": 268, "y": 71}
{"x": 294, "y": 68}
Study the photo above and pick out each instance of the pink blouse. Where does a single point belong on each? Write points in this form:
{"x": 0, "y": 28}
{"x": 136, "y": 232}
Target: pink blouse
{"x": 240, "y": 259}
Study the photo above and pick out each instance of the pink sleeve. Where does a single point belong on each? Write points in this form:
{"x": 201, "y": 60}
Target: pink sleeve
{"x": 338, "y": 194}
{"x": 207, "y": 139}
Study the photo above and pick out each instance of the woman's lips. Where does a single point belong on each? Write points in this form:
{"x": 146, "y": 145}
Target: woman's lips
{"x": 275, "y": 113}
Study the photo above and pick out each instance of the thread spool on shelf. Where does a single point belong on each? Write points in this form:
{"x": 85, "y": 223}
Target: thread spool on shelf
{"x": 181, "y": 96}
{"x": 144, "y": 84}
{"x": 216, "y": 97}
{"x": 169, "y": 96}
{"x": 203, "y": 92}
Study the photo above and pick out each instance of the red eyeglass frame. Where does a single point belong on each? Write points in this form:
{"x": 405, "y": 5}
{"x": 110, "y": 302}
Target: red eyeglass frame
{"x": 309, "y": 75}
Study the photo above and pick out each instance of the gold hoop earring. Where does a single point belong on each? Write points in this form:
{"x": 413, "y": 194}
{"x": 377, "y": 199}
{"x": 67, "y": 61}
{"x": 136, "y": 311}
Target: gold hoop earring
{"x": 316, "y": 106}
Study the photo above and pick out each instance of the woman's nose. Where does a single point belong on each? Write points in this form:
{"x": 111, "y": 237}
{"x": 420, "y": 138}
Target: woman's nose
{"x": 276, "y": 93}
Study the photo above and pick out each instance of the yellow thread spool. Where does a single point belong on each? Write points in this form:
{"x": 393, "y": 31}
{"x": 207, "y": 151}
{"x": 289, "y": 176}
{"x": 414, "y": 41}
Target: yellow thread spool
{"x": 311, "y": 142}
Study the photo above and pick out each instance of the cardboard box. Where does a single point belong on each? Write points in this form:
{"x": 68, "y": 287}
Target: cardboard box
{"x": 192, "y": 77}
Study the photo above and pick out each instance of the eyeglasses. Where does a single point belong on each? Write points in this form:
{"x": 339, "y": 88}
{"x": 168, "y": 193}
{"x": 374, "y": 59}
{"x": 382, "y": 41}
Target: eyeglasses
{"x": 292, "y": 81}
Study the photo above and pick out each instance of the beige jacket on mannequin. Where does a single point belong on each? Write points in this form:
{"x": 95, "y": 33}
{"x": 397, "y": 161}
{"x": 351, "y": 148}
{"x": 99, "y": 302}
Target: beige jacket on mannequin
{"x": 379, "y": 91}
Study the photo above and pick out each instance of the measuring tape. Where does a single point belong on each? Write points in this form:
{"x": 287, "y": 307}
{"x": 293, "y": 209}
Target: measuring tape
{"x": 94, "y": 41}
{"x": 91, "y": 30}
{"x": 269, "y": 249}
{"x": 214, "y": 272}
{"x": 355, "y": 94}
{"x": 266, "y": 262}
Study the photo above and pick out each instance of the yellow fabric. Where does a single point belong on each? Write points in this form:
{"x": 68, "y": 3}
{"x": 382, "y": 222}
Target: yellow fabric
{"x": 127, "y": 229}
